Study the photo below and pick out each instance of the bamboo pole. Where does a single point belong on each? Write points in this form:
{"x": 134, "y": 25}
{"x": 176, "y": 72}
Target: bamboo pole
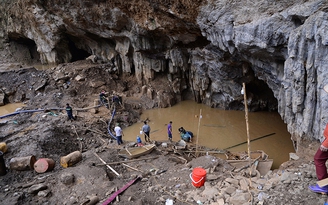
{"x": 78, "y": 138}
{"x": 135, "y": 169}
{"x": 117, "y": 198}
{"x": 247, "y": 130}
{"x": 268, "y": 135}
{"x": 212, "y": 152}
{"x": 200, "y": 117}
{"x": 133, "y": 160}
{"x": 109, "y": 167}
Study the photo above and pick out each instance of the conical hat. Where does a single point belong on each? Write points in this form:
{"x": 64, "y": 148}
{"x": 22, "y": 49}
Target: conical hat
{"x": 326, "y": 88}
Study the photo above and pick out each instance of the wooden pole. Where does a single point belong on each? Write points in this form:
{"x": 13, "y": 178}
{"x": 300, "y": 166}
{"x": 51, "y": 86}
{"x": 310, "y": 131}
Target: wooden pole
{"x": 247, "y": 130}
{"x": 268, "y": 135}
{"x": 109, "y": 167}
{"x": 135, "y": 169}
{"x": 133, "y": 160}
{"x": 78, "y": 138}
{"x": 200, "y": 117}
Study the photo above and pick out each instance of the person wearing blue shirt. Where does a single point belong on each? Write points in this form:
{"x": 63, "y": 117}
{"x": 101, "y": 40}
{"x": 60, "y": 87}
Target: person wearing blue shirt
{"x": 146, "y": 131}
{"x": 169, "y": 131}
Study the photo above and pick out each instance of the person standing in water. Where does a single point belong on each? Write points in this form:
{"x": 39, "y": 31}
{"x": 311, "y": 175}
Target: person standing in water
{"x": 169, "y": 131}
{"x": 146, "y": 131}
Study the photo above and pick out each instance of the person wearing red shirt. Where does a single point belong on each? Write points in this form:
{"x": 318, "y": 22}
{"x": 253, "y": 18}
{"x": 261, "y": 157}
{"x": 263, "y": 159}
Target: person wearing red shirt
{"x": 320, "y": 159}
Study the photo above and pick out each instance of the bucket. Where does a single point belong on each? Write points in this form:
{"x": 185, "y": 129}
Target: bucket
{"x": 198, "y": 177}
{"x": 44, "y": 165}
{"x": 3, "y": 169}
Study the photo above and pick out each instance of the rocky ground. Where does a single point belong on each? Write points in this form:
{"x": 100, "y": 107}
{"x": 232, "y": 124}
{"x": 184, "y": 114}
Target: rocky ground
{"x": 164, "y": 176}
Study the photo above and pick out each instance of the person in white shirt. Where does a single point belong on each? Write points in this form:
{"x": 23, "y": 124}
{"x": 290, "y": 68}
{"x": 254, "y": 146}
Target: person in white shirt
{"x": 119, "y": 134}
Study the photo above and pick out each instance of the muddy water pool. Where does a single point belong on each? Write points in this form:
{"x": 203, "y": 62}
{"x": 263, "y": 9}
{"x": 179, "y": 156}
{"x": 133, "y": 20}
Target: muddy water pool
{"x": 219, "y": 128}
{"x": 9, "y": 108}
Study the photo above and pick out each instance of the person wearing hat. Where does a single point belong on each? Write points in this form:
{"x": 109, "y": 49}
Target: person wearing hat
{"x": 320, "y": 159}
{"x": 119, "y": 133}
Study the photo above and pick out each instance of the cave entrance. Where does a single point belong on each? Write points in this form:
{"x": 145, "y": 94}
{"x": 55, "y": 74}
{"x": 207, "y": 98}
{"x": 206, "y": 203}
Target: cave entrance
{"x": 262, "y": 96}
{"x": 77, "y": 51}
{"x": 24, "y": 48}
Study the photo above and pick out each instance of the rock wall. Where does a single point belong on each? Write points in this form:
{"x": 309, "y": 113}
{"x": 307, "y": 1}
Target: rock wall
{"x": 207, "y": 49}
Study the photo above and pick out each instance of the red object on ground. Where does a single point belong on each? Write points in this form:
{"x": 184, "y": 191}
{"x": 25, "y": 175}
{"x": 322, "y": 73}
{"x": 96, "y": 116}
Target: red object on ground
{"x": 44, "y": 165}
{"x": 198, "y": 177}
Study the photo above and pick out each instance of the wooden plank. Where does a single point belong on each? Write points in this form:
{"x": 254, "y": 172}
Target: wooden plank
{"x": 322, "y": 182}
{"x": 135, "y": 169}
{"x": 128, "y": 151}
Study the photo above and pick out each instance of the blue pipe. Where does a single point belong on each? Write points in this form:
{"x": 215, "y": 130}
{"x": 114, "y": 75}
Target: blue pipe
{"x": 108, "y": 128}
{"x": 19, "y": 112}
{"x": 42, "y": 110}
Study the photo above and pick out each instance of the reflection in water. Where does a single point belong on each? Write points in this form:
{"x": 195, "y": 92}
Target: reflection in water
{"x": 219, "y": 128}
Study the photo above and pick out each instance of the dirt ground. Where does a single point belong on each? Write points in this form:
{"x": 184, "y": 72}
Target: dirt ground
{"x": 49, "y": 134}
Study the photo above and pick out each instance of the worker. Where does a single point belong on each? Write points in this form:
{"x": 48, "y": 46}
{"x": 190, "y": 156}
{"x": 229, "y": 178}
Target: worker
{"x": 119, "y": 133}
{"x": 320, "y": 159}
{"x": 116, "y": 100}
{"x": 146, "y": 131}
{"x": 139, "y": 142}
{"x": 185, "y": 135}
{"x": 169, "y": 131}
{"x": 103, "y": 99}
{"x": 69, "y": 112}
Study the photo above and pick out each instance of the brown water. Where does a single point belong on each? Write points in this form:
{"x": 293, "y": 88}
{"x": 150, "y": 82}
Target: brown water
{"x": 43, "y": 66}
{"x": 219, "y": 128}
{"x": 9, "y": 108}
